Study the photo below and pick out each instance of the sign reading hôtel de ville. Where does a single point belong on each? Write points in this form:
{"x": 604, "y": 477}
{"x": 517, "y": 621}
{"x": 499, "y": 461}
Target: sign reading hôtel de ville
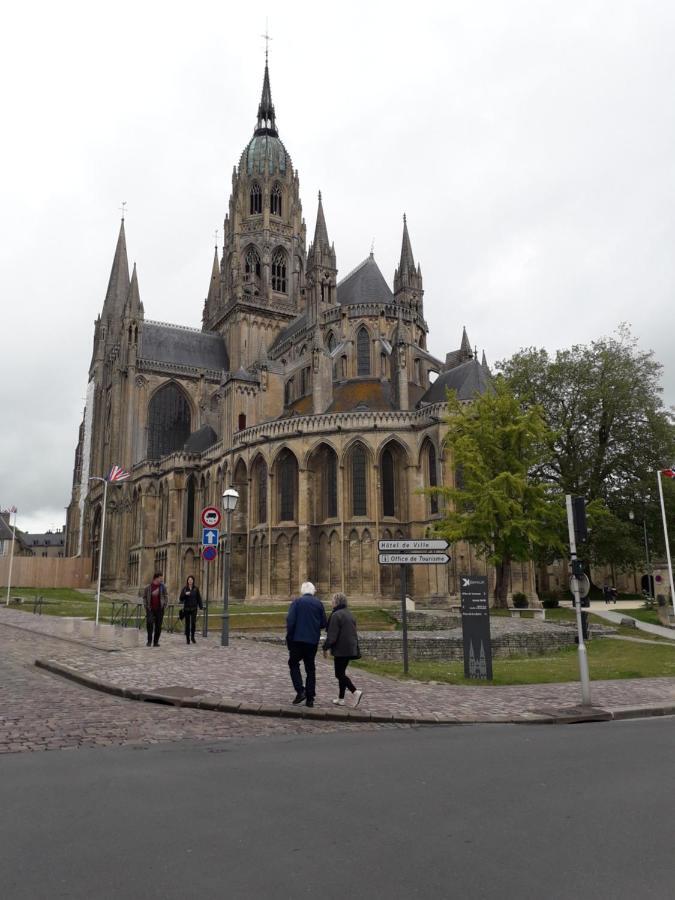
{"x": 476, "y": 626}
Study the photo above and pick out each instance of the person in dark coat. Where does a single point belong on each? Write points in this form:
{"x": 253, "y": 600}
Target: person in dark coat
{"x": 306, "y": 617}
{"x": 155, "y": 599}
{"x": 191, "y": 600}
{"x": 342, "y": 640}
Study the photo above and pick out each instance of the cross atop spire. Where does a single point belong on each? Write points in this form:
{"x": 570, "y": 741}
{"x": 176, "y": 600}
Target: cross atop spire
{"x": 266, "y": 119}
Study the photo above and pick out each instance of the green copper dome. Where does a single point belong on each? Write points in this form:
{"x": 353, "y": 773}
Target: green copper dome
{"x": 265, "y": 155}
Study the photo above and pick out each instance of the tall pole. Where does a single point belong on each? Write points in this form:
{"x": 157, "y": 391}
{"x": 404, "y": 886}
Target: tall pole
{"x": 225, "y": 633}
{"x": 404, "y": 616}
{"x": 100, "y": 547}
{"x": 583, "y": 657}
{"x": 665, "y": 534}
{"x": 11, "y": 560}
{"x": 205, "y": 622}
{"x": 650, "y": 574}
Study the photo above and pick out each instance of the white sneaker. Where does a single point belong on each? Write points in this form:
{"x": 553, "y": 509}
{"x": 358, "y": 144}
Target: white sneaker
{"x": 339, "y": 701}
{"x": 356, "y": 698}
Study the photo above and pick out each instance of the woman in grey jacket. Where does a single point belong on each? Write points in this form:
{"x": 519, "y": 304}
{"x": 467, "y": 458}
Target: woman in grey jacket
{"x": 343, "y": 642}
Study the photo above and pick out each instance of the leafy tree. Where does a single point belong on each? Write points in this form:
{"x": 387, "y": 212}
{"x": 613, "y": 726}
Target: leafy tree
{"x": 496, "y": 506}
{"x": 609, "y": 431}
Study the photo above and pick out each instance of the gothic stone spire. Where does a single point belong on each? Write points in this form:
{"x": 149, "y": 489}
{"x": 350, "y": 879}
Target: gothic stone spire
{"x": 118, "y": 284}
{"x": 266, "y": 119}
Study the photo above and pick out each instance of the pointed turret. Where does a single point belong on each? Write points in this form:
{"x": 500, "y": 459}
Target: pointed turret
{"x": 118, "y": 284}
{"x": 484, "y": 364}
{"x": 465, "y": 347}
{"x": 266, "y": 119}
{"x": 133, "y": 304}
{"x": 321, "y": 269}
{"x": 408, "y": 288}
{"x": 213, "y": 296}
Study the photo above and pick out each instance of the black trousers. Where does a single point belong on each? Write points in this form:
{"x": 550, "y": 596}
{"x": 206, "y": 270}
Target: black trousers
{"x": 190, "y": 623}
{"x": 299, "y": 652}
{"x": 154, "y": 620}
{"x": 344, "y": 681}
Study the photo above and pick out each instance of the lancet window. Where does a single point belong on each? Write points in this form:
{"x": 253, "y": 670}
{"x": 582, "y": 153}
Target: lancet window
{"x": 362, "y": 352}
{"x": 256, "y": 199}
{"x": 275, "y": 200}
{"x": 279, "y": 272}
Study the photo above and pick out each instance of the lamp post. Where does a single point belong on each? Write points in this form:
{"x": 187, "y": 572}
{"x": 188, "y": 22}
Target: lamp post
{"x": 116, "y": 476}
{"x": 650, "y": 574}
{"x": 230, "y": 498}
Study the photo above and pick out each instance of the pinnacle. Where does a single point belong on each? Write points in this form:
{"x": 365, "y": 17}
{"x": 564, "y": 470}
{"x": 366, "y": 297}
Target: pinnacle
{"x": 407, "y": 263}
{"x": 118, "y": 284}
{"x": 266, "y": 123}
{"x": 320, "y": 232}
{"x": 466, "y": 343}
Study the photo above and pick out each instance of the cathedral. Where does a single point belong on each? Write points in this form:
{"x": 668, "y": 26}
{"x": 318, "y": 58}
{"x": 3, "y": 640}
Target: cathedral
{"x": 315, "y": 398}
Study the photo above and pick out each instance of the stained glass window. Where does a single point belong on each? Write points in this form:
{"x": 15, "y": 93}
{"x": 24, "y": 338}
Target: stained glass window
{"x": 362, "y": 352}
{"x": 168, "y": 421}
{"x": 359, "y": 505}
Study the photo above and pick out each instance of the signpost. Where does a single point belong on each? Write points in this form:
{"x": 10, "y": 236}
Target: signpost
{"x": 406, "y": 553}
{"x": 473, "y": 591}
{"x": 210, "y": 518}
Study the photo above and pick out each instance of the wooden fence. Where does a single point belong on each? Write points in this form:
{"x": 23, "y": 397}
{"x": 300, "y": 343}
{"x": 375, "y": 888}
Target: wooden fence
{"x": 43, "y": 572}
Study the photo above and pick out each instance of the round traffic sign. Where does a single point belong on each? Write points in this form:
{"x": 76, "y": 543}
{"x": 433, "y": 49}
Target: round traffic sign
{"x": 209, "y": 553}
{"x": 583, "y": 583}
{"x": 211, "y": 517}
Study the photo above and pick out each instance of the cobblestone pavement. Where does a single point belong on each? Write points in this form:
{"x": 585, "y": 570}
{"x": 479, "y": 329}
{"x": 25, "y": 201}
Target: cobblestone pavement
{"x": 40, "y": 711}
{"x": 250, "y": 671}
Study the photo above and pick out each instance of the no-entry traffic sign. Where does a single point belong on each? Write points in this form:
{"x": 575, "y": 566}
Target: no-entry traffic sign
{"x": 211, "y": 517}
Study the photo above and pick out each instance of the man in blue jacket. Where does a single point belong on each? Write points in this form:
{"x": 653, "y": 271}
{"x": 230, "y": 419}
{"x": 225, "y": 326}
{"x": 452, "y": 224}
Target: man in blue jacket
{"x": 306, "y": 617}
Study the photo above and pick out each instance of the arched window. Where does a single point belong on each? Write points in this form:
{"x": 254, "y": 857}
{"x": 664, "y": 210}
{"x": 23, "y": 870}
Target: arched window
{"x": 190, "y": 508}
{"x": 252, "y": 264}
{"x": 288, "y": 392}
{"x": 433, "y": 478}
{"x": 359, "y": 498}
{"x": 261, "y": 490}
{"x": 256, "y": 199}
{"x": 275, "y": 200}
{"x": 168, "y": 421}
{"x": 279, "y": 272}
{"x": 330, "y": 482}
{"x": 287, "y": 480}
{"x": 362, "y": 352}
{"x": 388, "y": 493}
{"x": 330, "y": 342}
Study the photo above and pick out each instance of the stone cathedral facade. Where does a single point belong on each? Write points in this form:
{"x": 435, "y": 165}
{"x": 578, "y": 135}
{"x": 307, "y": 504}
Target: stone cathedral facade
{"x": 316, "y": 398}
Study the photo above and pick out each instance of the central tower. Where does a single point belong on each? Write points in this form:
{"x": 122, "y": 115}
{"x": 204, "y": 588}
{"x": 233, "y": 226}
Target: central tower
{"x": 258, "y": 287}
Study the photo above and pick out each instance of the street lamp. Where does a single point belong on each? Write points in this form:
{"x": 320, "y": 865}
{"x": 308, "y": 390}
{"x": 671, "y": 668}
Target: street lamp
{"x": 650, "y": 576}
{"x": 230, "y": 498}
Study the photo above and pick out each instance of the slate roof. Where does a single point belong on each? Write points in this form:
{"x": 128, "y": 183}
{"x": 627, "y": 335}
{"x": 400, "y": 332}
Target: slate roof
{"x": 364, "y": 284}
{"x": 182, "y": 346}
{"x": 293, "y": 328}
{"x": 200, "y": 440}
{"x": 48, "y": 539}
{"x": 468, "y": 379}
{"x": 6, "y": 531}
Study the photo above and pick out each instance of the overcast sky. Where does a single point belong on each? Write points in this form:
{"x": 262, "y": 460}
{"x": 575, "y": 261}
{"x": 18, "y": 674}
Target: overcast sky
{"x": 531, "y": 144}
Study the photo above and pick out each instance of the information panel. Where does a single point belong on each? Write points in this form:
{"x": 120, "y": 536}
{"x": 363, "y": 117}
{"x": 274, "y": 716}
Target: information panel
{"x": 476, "y": 627}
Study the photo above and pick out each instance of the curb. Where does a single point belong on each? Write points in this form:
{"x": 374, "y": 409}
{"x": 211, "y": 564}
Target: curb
{"x": 566, "y": 717}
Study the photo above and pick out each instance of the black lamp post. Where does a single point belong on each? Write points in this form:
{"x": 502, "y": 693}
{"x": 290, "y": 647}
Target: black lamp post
{"x": 230, "y": 498}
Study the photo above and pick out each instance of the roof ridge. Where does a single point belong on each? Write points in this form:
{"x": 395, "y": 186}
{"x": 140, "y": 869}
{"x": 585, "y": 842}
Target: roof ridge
{"x": 356, "y": 269}
{"x": 180, "y": 327}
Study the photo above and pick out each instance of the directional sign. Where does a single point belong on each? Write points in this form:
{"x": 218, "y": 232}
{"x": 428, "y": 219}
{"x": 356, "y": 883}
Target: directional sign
{"x": 210, "y": 537}
{"x": 415, "y": 546}
{"x": 211, "y": 517}
{"x": 413, "y": 559}
{"x": 209, "y": 553}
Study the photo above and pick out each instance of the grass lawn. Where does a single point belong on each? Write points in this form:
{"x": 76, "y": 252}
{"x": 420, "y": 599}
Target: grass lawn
{"x": 243, "y": 617}
{"x": 607, "y": 659}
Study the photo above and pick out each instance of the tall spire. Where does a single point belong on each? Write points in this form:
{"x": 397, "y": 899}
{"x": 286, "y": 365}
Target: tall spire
{"x": 133, "y": 303}
{"x": 118, "y": 284}
{"x": 465, "y": 346}
{"x": 266, "y": 120}
{"x": 321, "y": 232}
{"x": 407, "y": 263}
{"x": 214, "y": 284}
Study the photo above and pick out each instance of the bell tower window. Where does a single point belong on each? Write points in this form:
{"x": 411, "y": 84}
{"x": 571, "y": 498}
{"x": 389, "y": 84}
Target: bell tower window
{"x": 275, "y": 200}
{"x": 279, "y": 272}
{"x": 256, "y": 199}
{"x": 252, "y": 265}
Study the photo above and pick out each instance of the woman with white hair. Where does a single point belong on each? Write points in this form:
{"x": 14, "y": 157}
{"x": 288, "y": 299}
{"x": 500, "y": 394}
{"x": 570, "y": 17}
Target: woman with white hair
{"x": 342, "y": 640}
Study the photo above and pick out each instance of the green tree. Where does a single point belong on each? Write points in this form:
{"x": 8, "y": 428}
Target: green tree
{"x": 609, "y": 430}
{"x": 496, "y": 506}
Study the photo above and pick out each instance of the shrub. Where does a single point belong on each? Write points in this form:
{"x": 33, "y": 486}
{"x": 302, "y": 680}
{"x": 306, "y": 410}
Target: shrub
{"x": 550, "y": 602}
{"x": 519, "y": 600}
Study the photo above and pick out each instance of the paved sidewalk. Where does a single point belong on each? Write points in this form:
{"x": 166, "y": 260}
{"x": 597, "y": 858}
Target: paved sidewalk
{"x": 252, "y": 677}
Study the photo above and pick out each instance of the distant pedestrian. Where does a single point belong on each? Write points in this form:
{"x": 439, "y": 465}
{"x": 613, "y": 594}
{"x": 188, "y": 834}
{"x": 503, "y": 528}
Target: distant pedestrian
{"x": 614, "y": 594}
{"x": 306, "y": 617}
{"x": 342, "y": 640}
{"x": 154, "y": 600}
{"x": 191, "y": 601}
{"x": 606, "y": 593}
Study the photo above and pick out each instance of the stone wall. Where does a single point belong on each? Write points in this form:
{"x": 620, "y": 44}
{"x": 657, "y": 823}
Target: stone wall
{"x": 449, "y": 646}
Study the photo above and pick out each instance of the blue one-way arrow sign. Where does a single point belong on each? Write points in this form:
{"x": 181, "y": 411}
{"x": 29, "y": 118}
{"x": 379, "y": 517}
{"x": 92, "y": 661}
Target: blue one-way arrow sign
{"x": 210, "y": 537}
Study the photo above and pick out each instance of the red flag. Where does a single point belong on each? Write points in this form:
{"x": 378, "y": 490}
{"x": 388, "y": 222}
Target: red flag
{"x": 117, "y": 473}
{"x": 669, "y": 473}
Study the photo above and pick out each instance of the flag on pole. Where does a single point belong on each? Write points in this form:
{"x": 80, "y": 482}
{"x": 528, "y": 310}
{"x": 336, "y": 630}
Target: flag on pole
{"x": 117, "y": 473}
{"x": 669, "y": 473}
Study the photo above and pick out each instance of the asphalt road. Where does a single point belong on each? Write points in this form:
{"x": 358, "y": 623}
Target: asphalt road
{"x": 581, "y": 811}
